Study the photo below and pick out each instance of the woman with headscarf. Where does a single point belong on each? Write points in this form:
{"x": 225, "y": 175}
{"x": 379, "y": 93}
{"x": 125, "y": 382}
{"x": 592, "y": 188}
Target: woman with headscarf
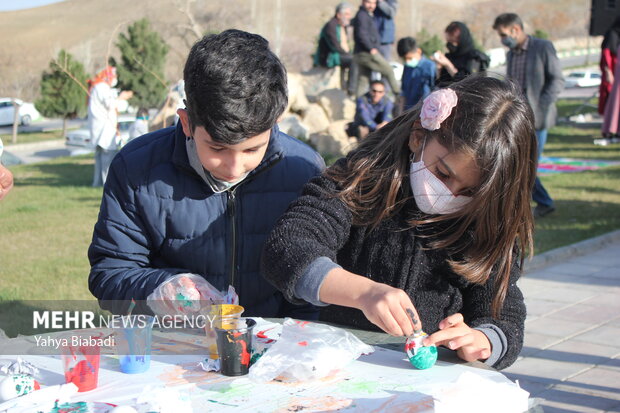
{"x": 610, "y": 44}
{"x": 462, "y": 58}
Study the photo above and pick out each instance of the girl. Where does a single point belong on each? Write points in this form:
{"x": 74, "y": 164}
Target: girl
{"x": 433, "y": 210}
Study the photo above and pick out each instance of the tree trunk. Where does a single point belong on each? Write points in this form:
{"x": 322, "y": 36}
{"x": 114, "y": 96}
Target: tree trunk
{"x": 64, "y": 127}
{"x": 15, "y": 120}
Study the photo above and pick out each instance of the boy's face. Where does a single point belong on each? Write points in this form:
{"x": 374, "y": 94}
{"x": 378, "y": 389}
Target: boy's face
{"x": 228, "y": 163}
{"x": 414, "y": 54}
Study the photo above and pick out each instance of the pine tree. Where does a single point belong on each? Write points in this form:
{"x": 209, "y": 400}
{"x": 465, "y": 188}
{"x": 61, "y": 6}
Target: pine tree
{"x": 143, "y": 56}
{"x": 63, "y": 90}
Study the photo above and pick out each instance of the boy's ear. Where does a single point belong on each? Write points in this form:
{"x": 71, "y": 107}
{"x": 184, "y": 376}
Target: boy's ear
{"x": 184, "y": 118}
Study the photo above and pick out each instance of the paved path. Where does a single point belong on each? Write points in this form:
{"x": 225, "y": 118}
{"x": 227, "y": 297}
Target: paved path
{"x": 571, "y": 357}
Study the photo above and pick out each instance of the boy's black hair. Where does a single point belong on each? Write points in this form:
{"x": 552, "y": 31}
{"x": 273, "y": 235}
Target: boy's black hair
{"x": 376, "y": 82}
{"x": 406, "y": 45}
{"x": 142, "y": 112}
{"x": 235, "y": 86}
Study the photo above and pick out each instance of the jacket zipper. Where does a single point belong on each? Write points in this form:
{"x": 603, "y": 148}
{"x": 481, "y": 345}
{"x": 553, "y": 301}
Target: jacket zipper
{"x": 231, "y": 207}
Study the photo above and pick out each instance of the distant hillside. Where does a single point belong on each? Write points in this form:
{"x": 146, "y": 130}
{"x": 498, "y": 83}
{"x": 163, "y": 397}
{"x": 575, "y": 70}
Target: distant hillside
{"x": 89, "y": 28}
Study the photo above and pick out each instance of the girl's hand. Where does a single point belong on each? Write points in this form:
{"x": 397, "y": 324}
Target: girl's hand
{"x": 470, "y": 344}
{"x": 386, "y": 307}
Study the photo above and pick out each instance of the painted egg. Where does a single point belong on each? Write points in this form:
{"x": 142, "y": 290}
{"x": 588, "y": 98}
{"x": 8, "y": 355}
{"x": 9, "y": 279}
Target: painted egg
{"x": 17, "y": 385}
{"x": 420, "y": 356}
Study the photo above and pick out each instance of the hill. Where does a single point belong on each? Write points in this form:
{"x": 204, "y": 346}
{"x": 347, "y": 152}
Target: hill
{"x": 89, "y": 28}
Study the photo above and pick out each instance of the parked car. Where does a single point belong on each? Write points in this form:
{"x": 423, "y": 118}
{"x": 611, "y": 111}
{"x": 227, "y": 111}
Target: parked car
{"x": 582, "y": 78}
{"x": 27, "y": 112}
{"x": 80, "y": 138}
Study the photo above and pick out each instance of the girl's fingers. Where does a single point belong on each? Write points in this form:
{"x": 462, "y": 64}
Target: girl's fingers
{"x": 462, "y": 341}
{"x": 451, "y": 321}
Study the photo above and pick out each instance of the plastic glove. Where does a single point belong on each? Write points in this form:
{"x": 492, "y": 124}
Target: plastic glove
{"x": 186, "y": 294}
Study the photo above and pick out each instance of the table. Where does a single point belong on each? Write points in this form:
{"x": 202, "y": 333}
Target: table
{"x": 381, "y": 381}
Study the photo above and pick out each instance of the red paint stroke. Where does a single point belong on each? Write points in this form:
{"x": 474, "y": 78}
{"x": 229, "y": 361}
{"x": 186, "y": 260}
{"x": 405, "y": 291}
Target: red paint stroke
{"x": 261, "y": 334}
{"x": 303, "y": 343}
{"x": 245, "y": 355}
{"x": 302, "y": 323}
{"x": 409, "y": 345}
{"x": 237, "y": 334}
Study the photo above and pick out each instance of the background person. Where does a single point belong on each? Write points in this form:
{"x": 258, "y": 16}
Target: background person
{"x": 609, "y": 57}
{"x": 385, "y": 15}
{"x": 372, "y": 111}
{"x": 367, "y": 44}
{"x": 419, "y": 73}
{"x": 432, "y": 209}
{"x": 462, "y": 58}
{"x": 103, "y": 121}
{"x": 334, "y": 49}
{"x": 533, "y": 64}
{"x": 6, "y": 177}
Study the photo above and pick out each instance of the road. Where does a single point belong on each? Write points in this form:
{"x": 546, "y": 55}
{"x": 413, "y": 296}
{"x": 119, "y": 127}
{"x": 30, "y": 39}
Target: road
{"x": 43, "y": 126}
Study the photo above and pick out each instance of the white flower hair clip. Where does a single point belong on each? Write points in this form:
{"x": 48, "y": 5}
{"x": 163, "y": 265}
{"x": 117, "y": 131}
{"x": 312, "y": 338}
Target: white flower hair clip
{"x": 437, "y": 107}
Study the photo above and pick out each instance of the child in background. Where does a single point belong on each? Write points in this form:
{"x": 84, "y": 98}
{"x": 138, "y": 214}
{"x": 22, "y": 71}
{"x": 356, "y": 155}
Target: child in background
{"x": 431, "y": 209}
{"x": 419, "y": 74}
{"x": 141, "y": 125}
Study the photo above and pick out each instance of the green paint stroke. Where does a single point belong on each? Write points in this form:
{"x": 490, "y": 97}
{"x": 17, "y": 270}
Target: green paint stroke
{"x": 424, "y": 358}
{"x": 359, "y": 387}
{"x": 184, "y": 301}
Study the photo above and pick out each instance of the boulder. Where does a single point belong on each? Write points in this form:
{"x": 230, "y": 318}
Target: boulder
{"x": 291, "y": 125}
{"x": 319, "y": 78}
{"x": 315, "y": 118}
{"x": 336, "y": 104}
{"x": 335, "y": 142}
{"x": 297, "y": 101}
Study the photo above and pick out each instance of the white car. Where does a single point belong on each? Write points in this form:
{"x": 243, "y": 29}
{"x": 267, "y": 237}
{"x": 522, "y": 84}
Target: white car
{"x": 27, "y": 112}
{"x": 80, "y": 138}
{"x": 582, "y": 78}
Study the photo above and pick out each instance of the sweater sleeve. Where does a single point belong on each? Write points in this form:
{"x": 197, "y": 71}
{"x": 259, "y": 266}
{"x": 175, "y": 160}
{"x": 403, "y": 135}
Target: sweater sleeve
{"x": 315, "y": 225}
{"x": 477, "y": 312}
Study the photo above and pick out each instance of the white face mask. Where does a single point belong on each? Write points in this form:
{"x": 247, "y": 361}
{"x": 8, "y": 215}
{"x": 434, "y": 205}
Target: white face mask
{"x": 114, "y": 82}
{"x": 431, "y": 195}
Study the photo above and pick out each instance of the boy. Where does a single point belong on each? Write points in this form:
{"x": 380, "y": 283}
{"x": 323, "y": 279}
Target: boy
{"x": 418, "y": 75}
{"x": 201, "y": 197}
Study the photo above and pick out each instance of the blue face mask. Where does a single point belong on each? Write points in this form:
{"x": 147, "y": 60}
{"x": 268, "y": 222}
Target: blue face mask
{"x": 412, "y": 62}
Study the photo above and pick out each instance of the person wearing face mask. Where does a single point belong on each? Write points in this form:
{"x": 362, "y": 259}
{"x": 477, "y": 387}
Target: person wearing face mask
{"x": 533, "y": 64}
{"x": 462, "y": 58}
{"x": 419, "y": 73}
{"x": 103, "y": 120}
{"x": 193, "y": 203}
{"x": 429, "y": 214}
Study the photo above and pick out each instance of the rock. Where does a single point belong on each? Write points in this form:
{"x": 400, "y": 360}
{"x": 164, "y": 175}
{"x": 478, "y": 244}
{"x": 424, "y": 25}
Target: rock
{"x": 297, "y": 100}
{"x": 336, "y": 104}
{"x": 335, "y": 141}
{"x": 315, "y": 118}
{"x": 291, "y": 125}
{"x": 319, "y": 78}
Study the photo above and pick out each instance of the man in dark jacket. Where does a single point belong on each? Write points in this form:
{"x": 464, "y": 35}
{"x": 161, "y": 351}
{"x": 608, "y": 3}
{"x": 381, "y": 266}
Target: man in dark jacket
{"x": 368, "y": 42}
{"x": 200, "y": 198}
{"x": 534, "y": 65}
{"x": 333, "y": 49}
{"x": 384, "y": 19}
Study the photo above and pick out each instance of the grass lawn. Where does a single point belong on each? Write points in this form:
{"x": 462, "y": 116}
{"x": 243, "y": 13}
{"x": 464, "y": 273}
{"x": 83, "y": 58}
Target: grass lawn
{"x": 29, "y": 137}
{"x": 47, "y": 221}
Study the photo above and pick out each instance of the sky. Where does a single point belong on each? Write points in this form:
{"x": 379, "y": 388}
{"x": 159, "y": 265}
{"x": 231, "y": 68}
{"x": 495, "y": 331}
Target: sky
{"x": 7, "y": 5}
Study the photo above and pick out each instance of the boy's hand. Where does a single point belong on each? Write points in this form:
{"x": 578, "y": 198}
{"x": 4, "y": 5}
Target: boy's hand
{"x": 386, "y": 307}
{"x": 470, "y": 344}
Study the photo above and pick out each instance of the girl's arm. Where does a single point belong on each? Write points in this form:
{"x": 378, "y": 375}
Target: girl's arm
{"x": 314, "y": 228}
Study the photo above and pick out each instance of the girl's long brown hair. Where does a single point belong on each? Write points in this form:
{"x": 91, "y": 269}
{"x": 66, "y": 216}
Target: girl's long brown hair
{"x": 492, "y": 121}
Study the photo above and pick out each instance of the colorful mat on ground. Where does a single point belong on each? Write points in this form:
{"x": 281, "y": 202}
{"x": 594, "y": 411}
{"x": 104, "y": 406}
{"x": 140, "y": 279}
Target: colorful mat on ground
{"x": 549, "y": 166}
